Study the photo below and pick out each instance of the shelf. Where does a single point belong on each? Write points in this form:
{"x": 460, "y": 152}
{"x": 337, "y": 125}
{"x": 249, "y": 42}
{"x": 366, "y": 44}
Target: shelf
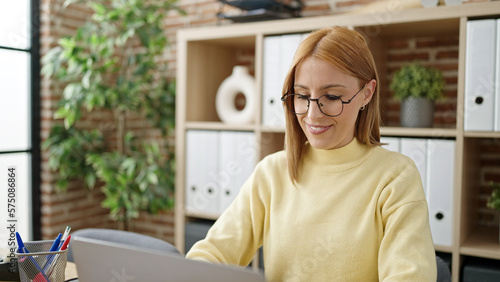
{"x": 411, "y": 22}
{"x": 481, "y": 134}
{"x": 269, "y": 129}
{"x": 207, "y": 55}
{"x": 419, "y": 132}
{"x": 201, "y": 215}
{"x": 443, "y": 249}
{"x": 396, "y": 131}
{"x": 207, "y": 125}
{"x": 385, "y": 131}
{"x": 483, "y": 242}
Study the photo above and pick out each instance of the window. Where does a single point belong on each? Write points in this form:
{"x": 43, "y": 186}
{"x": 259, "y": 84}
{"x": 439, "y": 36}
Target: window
{"x": 19, "y": 119}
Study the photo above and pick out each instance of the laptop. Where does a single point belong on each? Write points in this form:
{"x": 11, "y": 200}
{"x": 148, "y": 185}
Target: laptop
{"x": 98, "y": 260}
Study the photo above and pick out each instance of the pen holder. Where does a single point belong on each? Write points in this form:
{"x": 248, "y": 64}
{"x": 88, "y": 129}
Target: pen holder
{"x": 40, "y": 265}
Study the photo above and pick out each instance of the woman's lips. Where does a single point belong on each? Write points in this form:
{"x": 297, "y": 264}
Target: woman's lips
{"x": 317, "y": 129}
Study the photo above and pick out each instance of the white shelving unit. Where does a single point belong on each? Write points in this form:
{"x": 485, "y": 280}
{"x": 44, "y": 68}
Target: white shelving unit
{"x": 207, "y": 55}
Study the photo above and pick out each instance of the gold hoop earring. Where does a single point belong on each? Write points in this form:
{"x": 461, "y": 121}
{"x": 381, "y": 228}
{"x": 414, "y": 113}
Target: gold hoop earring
{"x": 362, "y": 108}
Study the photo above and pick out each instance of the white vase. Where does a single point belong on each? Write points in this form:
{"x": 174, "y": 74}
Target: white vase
{"x": 239, "y": 82}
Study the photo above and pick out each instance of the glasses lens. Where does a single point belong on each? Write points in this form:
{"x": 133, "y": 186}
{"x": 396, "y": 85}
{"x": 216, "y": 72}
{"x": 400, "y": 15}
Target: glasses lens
{"x": 296, "y": 103}
{"x": 330, "y": 105}
{"x": 301, "y": 104}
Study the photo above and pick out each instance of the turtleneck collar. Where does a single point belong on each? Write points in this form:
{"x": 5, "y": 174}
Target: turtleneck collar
{"x": 338, "y": 159}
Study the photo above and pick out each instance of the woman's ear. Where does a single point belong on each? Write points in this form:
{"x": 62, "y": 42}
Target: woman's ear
{"x": 369, "y": 91}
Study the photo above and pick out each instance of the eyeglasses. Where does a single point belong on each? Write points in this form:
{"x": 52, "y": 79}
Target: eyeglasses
{"x": 329, "y": 105}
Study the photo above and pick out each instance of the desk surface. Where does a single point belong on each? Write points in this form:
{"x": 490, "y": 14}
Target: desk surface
{"x": 70, "y": 272}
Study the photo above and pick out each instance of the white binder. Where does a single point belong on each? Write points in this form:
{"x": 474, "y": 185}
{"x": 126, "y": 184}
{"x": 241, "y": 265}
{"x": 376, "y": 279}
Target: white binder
{"x": 201, "y": 168}
{"x": 416, "y": 149}
{"x": 439, "y": 194}
{"x": 272, "y": 112}
{"x": 289, "y": 44}
{"x": 236, "y": 162}
{"x": 496, "y": 122}
{"x": 479, "y": 75}
{"x": 229, "y": 168}
{"x": 393, "y": 143}
{"x": 278, "y": 57}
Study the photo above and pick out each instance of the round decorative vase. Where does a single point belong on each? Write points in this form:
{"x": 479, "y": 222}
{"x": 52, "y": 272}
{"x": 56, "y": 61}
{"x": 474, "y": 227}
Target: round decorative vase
{"x": 417, "y": 112}
{"x": 239, "y": 82}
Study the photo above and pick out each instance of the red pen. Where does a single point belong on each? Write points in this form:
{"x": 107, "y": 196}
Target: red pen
{"x": 65, "y": 244}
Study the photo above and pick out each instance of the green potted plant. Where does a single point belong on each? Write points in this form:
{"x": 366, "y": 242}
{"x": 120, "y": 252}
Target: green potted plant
{"x": 493, "y": 201}
{"x": 112, "y": 65}
{"x": 418, "y": 87}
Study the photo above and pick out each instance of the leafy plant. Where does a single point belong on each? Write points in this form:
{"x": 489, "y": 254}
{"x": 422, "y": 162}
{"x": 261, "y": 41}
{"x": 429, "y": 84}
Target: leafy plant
{"x": 113, "y": 64}
{"x": 494, "y": 199}
{"x": 415, "y": 80}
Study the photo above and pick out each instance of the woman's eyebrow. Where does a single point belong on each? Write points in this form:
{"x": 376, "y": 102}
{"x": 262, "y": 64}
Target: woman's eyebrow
{"x": 326, "y": 86}
{"x": 300, "y": 86}
{"x": 335, "y": 85}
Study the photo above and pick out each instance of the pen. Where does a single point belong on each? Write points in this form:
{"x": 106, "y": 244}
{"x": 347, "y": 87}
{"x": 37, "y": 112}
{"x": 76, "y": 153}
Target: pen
{"x": 53, "y": 248}
{"x": 66, "y": 243}
{"x": 20, "y": 244}
{"x": 55, "y": 245}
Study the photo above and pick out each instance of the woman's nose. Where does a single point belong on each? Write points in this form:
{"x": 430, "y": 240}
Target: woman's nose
{"x": 314, "y": 112}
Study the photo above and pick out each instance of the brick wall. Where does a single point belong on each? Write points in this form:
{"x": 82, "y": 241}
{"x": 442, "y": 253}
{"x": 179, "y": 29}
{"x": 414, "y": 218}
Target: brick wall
{"x": 80, "y": 208}
{"x": 489, "y": 162}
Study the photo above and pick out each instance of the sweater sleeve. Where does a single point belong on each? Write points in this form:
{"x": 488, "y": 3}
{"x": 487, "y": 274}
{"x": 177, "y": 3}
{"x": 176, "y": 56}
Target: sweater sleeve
{"x": 237, "y": 234}
{"x": 406, "y": 251}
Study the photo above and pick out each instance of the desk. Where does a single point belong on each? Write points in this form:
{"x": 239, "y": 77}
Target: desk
{"x": 70, "y": 272}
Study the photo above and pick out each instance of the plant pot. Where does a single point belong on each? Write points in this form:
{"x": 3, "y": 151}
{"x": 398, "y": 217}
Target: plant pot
{"x": 417, "y": 112}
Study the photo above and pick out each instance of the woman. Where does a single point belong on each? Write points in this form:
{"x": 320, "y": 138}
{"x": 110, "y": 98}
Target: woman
{"x": 334, "y": 205}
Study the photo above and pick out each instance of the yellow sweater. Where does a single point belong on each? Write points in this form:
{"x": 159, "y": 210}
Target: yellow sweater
{"x": 358, "y": 213}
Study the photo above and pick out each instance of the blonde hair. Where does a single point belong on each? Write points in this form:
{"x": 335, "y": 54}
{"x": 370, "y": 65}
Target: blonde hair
{"x": 348, "y": 51}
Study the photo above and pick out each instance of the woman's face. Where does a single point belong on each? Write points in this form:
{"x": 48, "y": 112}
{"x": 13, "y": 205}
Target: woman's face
{"x": 314, "y": 78}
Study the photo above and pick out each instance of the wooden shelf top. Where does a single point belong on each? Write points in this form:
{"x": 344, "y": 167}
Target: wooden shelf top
{"x": 403, "y": 21}
{"x": 385, "y": 131}
{"x": 215, "y": 125}
{"x": 201, "y": 215}
{"x": 482, "y": 134}
{"x": 419, "y": 132}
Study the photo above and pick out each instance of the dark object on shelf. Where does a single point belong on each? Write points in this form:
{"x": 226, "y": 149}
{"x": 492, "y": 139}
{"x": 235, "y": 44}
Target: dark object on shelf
{"x": 194, "y": 232}
{"x": 443, "y": 270}
{"x": 261, "y": 10}
{"x": 478, "y": 269}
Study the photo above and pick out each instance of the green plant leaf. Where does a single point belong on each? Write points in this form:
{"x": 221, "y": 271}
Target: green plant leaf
{"x": 415, "y": 80}
{"x": 90, "y": 180}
